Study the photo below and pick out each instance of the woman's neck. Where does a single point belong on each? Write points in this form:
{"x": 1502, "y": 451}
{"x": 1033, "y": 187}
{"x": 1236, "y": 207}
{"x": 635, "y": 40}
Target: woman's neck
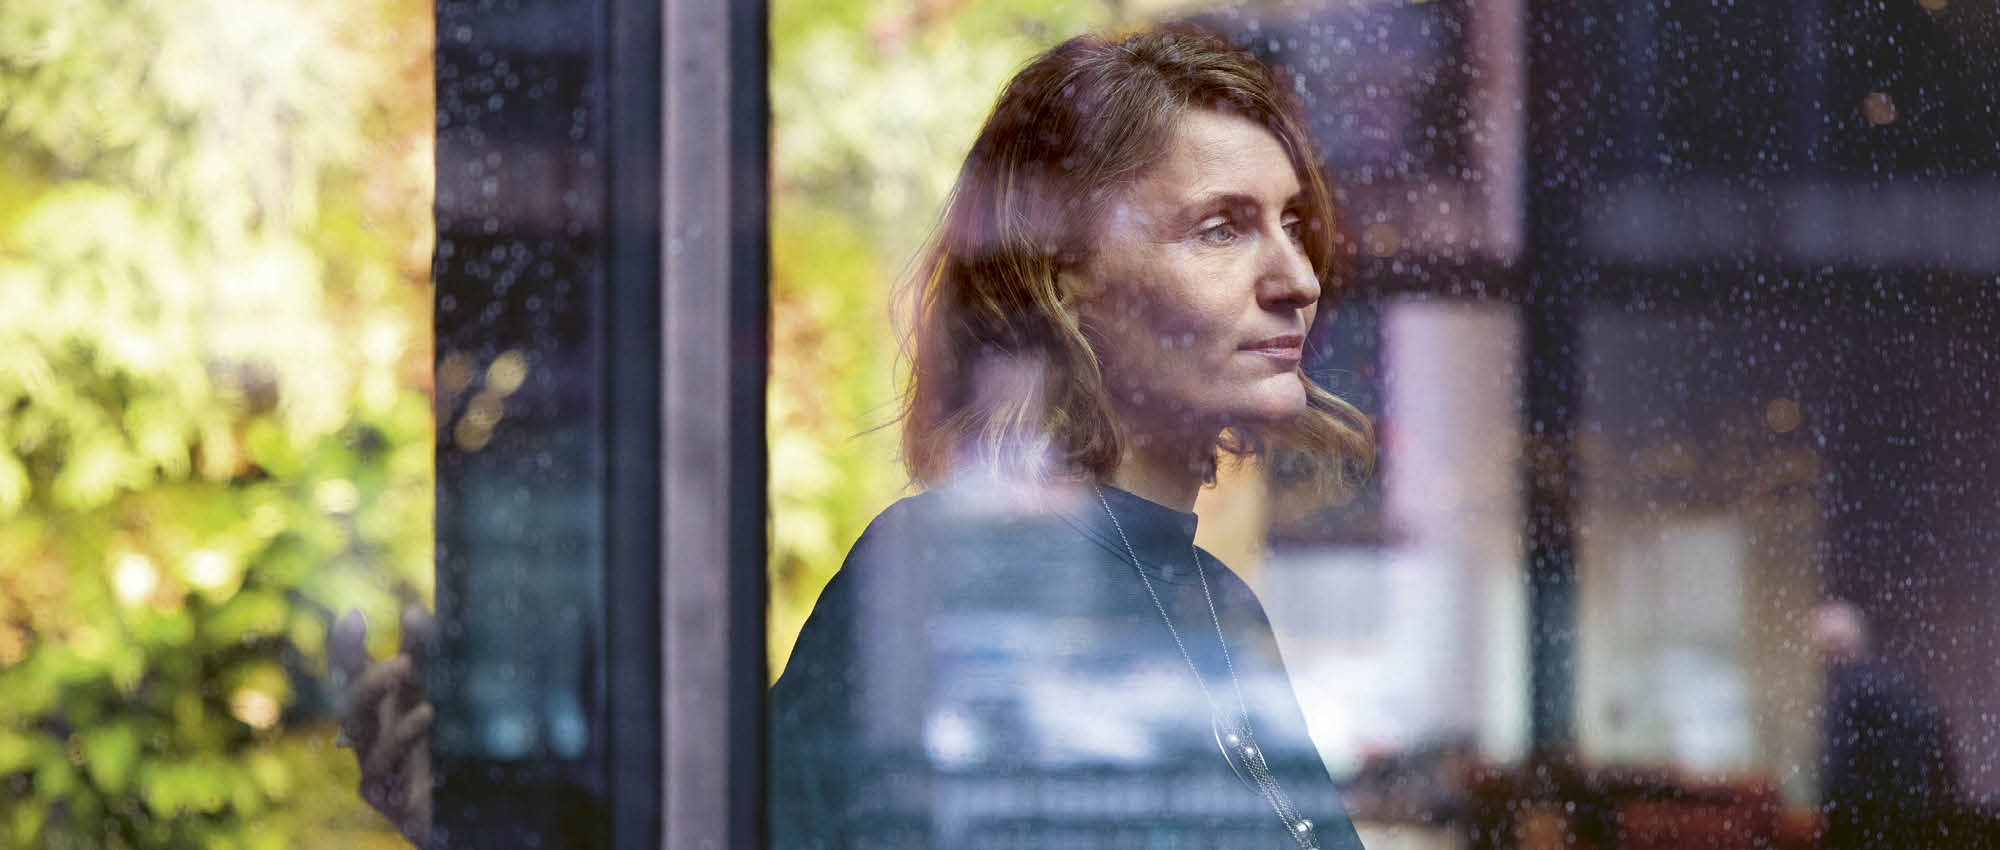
{"x": 1162, "y": 471}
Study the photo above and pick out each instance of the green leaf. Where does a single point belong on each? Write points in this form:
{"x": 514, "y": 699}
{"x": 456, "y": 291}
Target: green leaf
{"x": 160, "y": 789}
{"x": 19, "y": 751}
{"x": 54, "y": 777}
{"x": 209, "y": 781}
{"x": 97, "y": 469}
{"x": 109, "y": 753}
{"x": 271, "y": 773}
{"x": 14, "y": 485}
{"x": 271, "y": 448}
{"x": 168, "y": 629}
{"x": 30, "y": 688}
{"x": 248, "y": 615}
{"x": 26, "y": 823}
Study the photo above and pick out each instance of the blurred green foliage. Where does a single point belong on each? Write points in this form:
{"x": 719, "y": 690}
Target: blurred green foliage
{"x": 214, "y": 367}
{"x": 874, "y": 105}
{"x": 214, "y": 360}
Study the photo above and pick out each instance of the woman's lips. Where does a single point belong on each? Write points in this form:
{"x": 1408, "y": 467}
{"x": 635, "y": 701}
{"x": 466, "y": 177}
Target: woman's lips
{"x": 1287, "y": 347}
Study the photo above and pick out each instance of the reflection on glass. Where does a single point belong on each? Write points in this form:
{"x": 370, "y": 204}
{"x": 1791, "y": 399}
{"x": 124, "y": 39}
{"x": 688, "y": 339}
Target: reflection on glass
{"x": 1699, "y": 292}
{"x": 519, "y": 725}
{"x": 485, "y": 727}
{"x": 1034, "y": 651}
{"x": 1889, "y": 776}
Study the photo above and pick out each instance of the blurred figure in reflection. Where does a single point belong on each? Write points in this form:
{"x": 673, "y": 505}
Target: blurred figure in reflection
{"x": 385, "y": 719}
{"x": 1033, "y": 652}
{"x": 1885, "y": 770}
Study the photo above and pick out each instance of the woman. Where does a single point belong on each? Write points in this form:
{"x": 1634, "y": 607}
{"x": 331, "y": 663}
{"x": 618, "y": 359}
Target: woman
{"x": 1117, "y": 295}
{"x": 1033, "y": 652}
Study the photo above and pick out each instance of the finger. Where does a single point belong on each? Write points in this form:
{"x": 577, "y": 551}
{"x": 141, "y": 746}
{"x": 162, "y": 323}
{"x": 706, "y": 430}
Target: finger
{"x": 416, "y": 821}
{"x": 413, "y": 730}
{"x": 420, "y": 785}
{"x": 380, "y": 679}
{"x": 362, "y": 717}
{"x": 385, "y": 720}
{"x": 390, "y": 750}
{"x": 347, "y": 649}
{"x": 419, "y": 634}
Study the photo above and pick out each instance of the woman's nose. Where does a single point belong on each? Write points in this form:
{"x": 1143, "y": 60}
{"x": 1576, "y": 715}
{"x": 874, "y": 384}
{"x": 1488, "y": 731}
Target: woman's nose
{"x": 1288, "y": 279}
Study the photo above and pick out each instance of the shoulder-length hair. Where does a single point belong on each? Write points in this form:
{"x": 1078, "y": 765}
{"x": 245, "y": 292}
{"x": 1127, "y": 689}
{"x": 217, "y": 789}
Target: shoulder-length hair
{"x": 1002, "y": 365}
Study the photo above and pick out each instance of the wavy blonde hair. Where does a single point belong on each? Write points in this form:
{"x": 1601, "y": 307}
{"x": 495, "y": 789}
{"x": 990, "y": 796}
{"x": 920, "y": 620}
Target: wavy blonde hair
{"x": 1002, "y": 367}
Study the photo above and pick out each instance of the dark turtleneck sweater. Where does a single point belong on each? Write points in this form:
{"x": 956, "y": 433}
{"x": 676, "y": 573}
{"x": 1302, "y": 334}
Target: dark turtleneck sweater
{"x": 985, "y": 673}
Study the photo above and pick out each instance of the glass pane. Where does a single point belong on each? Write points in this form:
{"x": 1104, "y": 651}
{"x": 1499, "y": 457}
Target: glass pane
{"x": 988, "y": 669}
{"x": 215, "y": 367}
{"x": 1672, "y": 321}
{"x": 518, "y": 743}
{"x": 301, "y": 504}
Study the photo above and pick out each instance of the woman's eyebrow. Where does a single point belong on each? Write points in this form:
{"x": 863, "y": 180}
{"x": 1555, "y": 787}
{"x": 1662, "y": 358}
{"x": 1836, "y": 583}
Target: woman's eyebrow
{"x": 1226, "y": 199}
{"x": 1205, "y": 203}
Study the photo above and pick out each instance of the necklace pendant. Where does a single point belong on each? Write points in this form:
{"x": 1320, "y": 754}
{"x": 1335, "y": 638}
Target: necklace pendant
{"x": 1304, "y": 833}
{"x": 1238, "y": 748}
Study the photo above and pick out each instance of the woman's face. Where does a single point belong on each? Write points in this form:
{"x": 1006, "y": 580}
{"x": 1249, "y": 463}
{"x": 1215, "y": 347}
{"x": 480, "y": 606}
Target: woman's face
{"x": 1198, "y": 288}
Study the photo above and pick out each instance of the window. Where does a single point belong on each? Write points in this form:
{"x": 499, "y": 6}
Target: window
{"x": 1674, "y": 323}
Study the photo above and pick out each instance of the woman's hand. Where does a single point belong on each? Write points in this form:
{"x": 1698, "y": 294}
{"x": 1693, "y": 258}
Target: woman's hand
{"x": 386, "y": 720}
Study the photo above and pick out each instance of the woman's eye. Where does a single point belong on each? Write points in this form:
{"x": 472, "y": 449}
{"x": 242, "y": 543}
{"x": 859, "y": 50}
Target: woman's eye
{"x": 1218, "y": 231}
{"x": 1295, "y": 229}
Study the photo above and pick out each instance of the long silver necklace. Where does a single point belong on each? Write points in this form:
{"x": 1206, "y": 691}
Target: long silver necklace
{"x": 1232, "y": 736}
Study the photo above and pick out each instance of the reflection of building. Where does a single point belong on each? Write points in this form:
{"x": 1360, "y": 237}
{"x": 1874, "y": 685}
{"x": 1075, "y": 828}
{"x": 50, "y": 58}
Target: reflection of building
{"x": 1699, "y": 531}
{"x": 526, "y": 507}
{"x": 1415, "y": 640}
{"x": 1742, "y": 336}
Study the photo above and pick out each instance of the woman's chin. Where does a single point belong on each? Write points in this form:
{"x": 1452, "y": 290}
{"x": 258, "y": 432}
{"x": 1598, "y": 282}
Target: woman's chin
{"x": 1271, "y": 409}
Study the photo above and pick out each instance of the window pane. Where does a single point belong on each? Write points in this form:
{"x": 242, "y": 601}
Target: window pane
{"x": 1671, "y": 328}
{"x": 519, "y": 742}
{"x": 1044, "y": 698}
{"x": 215, "y": 362}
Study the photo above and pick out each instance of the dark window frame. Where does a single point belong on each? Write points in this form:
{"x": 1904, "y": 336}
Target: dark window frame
{"x": 662, "y": 237}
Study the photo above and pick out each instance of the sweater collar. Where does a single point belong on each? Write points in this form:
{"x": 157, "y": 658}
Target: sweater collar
{"x": 1161, "y": 537}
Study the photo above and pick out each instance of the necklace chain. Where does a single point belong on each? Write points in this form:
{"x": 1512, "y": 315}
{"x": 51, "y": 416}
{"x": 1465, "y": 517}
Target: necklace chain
{"x": 1299, "y": 828}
